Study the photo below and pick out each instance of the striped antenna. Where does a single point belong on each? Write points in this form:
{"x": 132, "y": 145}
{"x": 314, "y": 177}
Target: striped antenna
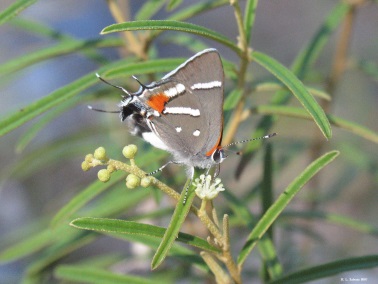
{"x": 102, "y": 110}
{"x": 249, "y": 140}
{"x": 115, "y": 86}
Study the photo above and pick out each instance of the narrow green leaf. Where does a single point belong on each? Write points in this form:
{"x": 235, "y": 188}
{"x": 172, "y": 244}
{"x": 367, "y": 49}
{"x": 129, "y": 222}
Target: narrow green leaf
{"x": 117, "y": 69}
{"x": 134, "y": 228}
{"x": 26, "y": 247}
{"x": 40, "y": 29}
{"x": 121, "y": 201}
{"x": 249, "y": 17}
{"x": 232, "y": 99}
{"x": 96, "y": 275}
{"x": 60, "y": 49}
{"x": 328, "y": 269}
{"x": 270, "y": 86}
{"x": 84, "y": 197}
{"x": 319, "y": 93}
{"x": 33, "y": 131}
{"x": 267, "y": 184}
{"x": 172, "y": 26}
{"x": 352, "y": 127}
{"x": 369, "y": 68}
{"x": 298, "y": 90}
{"x": 149, "y": 9}
{"x": 196, "y": 9}
{"x": 283, "y": 200}
{"x": 31, "y": 111}
{"x": 193, "y": 44}
{"x": 57, "y": 251}
{"x": 14, "y": 9}
{"x": 179, "y": 216}
{"x": 312, "y": 50}
{"x": 173, "y": 4}
{"x": 335, "y": 219}
{"x": 151, "y": 66}
{"x": 300, "y": 66}
{"x": 265, "y": 245}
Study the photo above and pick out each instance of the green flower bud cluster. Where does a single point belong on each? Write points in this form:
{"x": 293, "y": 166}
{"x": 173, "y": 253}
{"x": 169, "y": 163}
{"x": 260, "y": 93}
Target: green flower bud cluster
{"x": 130, "y": 151}
{"x": 99, "y": 157}
{"x": 95, "y": 159}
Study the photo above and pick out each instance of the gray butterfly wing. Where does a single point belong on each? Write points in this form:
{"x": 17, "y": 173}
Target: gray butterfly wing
{"x": 192, "y": 121}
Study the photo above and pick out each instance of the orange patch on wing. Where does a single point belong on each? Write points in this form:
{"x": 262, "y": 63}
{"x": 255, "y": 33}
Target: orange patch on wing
{"x": 158, "y": 101}
{"x": 216, "y": 146}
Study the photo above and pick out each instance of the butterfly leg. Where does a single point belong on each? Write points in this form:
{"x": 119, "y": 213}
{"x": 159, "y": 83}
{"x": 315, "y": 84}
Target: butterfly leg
{"x": 217, "y": 171}
{"x": 162, "y": 167}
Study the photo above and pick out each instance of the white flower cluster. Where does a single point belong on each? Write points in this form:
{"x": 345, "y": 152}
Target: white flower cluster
{"x": 205, "y": 189}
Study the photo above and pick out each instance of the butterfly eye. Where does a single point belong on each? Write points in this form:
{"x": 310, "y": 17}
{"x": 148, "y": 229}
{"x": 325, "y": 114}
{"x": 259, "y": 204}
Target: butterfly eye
{"x": 218, "y": 156}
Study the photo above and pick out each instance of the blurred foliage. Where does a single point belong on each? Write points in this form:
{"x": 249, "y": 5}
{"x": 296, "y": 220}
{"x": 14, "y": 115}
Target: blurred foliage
{"x": 52, "y": 251}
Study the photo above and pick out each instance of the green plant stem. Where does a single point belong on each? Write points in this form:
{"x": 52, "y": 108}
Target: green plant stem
{"x": 229, "y": 261}
{"x": 220, "y": 275}
{"x": 202, "y": 215}
{"x": 244, "y": 60}
{"x": 133, "y": 45}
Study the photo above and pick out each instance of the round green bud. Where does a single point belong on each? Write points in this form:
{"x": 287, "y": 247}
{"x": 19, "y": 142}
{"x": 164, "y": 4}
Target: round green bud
{"x": 132, "y": 181}
{"x": 146, "y": 182}
{"x": 129, "y": 151}
{"x": 88, "y": 158}
{"x": 103, "y": 175}
{"x": 100, "y": 154}
{"x": 85, "y": 166}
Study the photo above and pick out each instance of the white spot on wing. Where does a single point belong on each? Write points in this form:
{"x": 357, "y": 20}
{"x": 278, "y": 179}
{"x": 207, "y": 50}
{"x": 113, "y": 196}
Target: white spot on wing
{"x": 178, "y": 129}
{"x": 174, "y": 91}
{"x": 208, "y": 85}
{"x": 196, "y": 132}
{"x": 182, "y": 110}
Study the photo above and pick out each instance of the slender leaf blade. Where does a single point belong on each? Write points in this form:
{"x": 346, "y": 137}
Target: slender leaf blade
{"x": 172, "y": 26}
{"x": 179, "y": 216}
{"x": 339, "y": 220}
{"x": 88, "y": 274}
{"x": 350, "y": 126}
{"x": 63, "y": 48}
{"x": 84, "y": 197}
{"x": 283, "y": 200}
{"x": 135, "y": 228}
{"x": 26, "y": 247}
{"x": 328, "y": 269}
{"x": 249, "y": 17}
{"x": 232, "y": 99}
{"x": 312, "y": 50}
{"x": 275, "y": 86}
{"x": 300, "y": 66}
{"x": 173, "y": 4}
{"x": 196, "y": 9}
{"x": 117, "y": 69}
{"x": 149, "y": 9}
{"x": 298, "y": 90}
{"x": 265, "y": 246}
{"x": 14, "y": 9}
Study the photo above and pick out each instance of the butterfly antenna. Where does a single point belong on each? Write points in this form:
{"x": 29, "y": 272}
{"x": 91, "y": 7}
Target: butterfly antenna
{"x": 102, "y": 110}
{"x": 249, "y": 140}
{"x": 139, "y": 82}
{"x": 115, "y": 86}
